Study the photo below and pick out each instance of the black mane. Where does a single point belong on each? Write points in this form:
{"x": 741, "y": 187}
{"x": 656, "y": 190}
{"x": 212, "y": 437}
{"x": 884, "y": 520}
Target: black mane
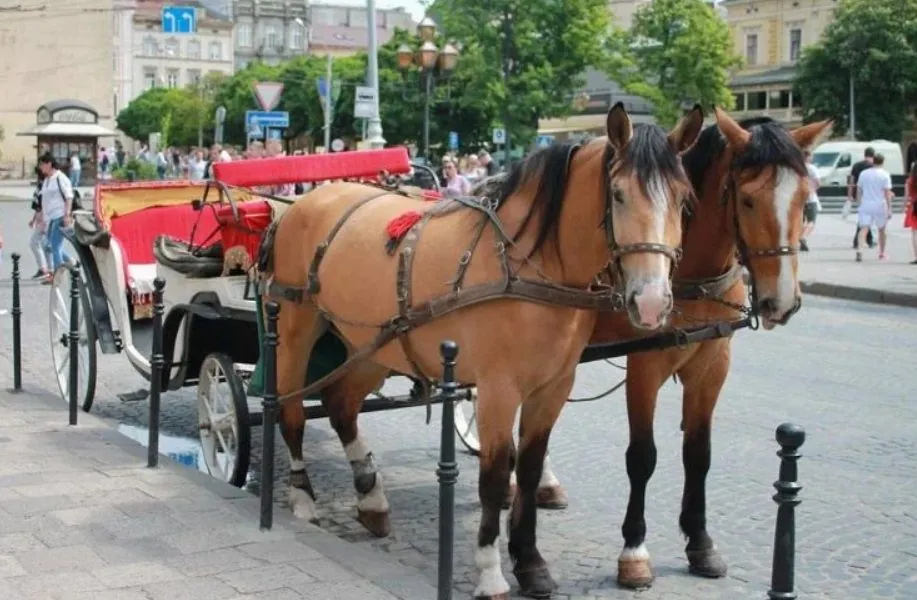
{"x": 648, "y": 154}
{"x": 770, "y": 145}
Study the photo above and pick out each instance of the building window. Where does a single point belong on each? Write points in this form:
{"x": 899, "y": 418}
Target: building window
{"x": 172, "y": 78}
{"x": 244, "y": 35}
{"x": 149, "y": 78}
{"x": 780, "y": 99}
{"x": 751, "y": 49}
{"x": 795, "y": 44}
{"x": 194, "y": 49}
{"x": 216, "y": 51}
{"x": 296, "y": 37}
{"x": 756, "y": 101}
{"x": 149, "y": 46}
{"x": 358, "y": 18}
{"x": 194, "y": 77}
{"x": 270, "y": 36}
{"x": 172, "y": 48}
{"x": 739, "y": 100}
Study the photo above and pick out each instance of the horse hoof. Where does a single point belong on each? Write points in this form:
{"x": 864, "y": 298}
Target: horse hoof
{"x": 551, "y": 498}
{"x": 510, "y": 495}
{"x": 377, "y": 523}
{"x": 635, "y": 574}
{"x": 706, "y": 563}
{"x": 536, "y": 582}
{"x": 503, "y": 596}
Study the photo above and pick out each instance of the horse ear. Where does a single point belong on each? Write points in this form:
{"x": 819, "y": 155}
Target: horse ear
{"x": 685, "y": 133}
{"x": 735, "y": 135}
{"x": 809, "y": 136}
{"x": 618, "y": 127}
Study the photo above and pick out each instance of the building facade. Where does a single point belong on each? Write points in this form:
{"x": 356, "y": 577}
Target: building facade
{"x": 269, "y": 30}
{"x": 43, "y": 59}
{"x": 342, "y": 30}
{"x": 770, "y": 36}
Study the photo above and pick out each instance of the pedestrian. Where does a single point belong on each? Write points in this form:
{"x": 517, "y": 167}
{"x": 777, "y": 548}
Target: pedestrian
{"x": 56, "y": 208}
{"x": 813, "y": 206}
{"x": 874, "y": 192}
{"x": 456, "y": 185}
{"x": 76, "y": 169}
{"x": 161, "y": 164}
{"x": 38, "y": 241}
{"x": 196, "y": 166}
{"x": 855, "y": 172}
{"x": 910, "y": 212}
{"x": 486, "y": 163}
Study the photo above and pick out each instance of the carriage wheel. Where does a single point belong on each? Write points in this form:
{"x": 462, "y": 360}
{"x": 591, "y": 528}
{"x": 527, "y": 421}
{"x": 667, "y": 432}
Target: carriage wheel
{"x": 466, "y": 423}
{"x": 60, "y": 341}
{"x": 225, "y": 429}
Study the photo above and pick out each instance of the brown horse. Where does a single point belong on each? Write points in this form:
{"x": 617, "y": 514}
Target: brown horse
{"x": 563, "y": 216}
{"x": 750, "y": 178}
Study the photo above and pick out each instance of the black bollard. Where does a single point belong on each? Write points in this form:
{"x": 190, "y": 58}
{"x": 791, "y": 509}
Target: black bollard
{"x": 156, "y": 365}
{"x": 17, "y": 327}
{"x": 447, "y": 473}
{"x": 269, "y": 406}
{"x": 73, "y": 343}
{"x": 783, "y": 574}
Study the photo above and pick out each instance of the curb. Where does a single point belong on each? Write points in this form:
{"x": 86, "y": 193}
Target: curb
{"x": 384, "y": 572}
{"x": 858, "y": 294}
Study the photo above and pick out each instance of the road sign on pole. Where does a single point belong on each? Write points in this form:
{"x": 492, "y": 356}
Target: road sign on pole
{"x": 277, "y": 119}
{"x": 179, "y": 19}
{"x": 453, "y": 140}
{"x": 364, "y": 102}
{"x": 499, "y": 136}
{"x": 544, "y": 141}
{"x": 268, "y": 94}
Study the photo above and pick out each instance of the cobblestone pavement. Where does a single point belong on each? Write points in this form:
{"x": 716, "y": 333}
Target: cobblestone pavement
{"x": 834, "y": 370}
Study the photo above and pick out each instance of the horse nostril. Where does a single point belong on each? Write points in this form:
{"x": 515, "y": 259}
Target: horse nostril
{"x": 767, "y": 305}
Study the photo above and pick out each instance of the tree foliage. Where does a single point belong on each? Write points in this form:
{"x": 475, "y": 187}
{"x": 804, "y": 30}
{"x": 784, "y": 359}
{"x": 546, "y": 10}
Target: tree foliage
{"x": 236, "y": 94}
{"x": 676, "y": 51}
{"x": 544, "y": 46}
{"x": 875, "y": 42}
{"x": 182, "y": 110}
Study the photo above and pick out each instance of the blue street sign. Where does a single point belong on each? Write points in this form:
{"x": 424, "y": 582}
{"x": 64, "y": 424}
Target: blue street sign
{"x": 322, "y": 87}
{"x": 179, "y": 19}
{"x": 545, "y": 140}
{"x": 275, "y": 119}
{"x": 275, "y": 134}
{"x": 453, "y": 140}
{"x": 255, "y": 132}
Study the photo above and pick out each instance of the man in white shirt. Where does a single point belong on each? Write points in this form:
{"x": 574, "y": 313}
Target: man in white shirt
{"x": 76, "y": 169}
{"x": 874, "y": 193}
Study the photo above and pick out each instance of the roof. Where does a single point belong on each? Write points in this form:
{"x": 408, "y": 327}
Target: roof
{"x": 152, "y": 10}
{"x": 65, "y": 103}
{"x": 90, "y": 130}
{"x": 779, "y": 75}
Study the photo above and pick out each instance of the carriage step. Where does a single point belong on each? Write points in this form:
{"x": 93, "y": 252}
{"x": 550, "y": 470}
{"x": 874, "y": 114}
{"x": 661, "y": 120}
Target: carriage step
{"x": 134, "y": 396}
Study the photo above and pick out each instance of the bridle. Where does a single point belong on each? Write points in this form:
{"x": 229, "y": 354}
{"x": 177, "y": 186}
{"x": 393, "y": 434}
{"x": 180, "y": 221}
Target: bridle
{"x": 746, "y": 253}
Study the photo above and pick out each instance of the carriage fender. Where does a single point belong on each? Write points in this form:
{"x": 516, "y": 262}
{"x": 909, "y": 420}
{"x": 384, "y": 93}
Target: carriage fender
{"x": 95, "y": 292}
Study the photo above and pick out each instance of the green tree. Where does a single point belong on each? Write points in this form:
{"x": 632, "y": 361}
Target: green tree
{"x": 236, "y": 94}
{"x": 676, "y": 51}
{"x": 179, "y": 109}
{"x": 875, "y": 43}
{"x": 542, "y": 46}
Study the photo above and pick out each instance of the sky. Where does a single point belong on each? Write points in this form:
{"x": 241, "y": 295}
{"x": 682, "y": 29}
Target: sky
{"x": 415, "y": 7}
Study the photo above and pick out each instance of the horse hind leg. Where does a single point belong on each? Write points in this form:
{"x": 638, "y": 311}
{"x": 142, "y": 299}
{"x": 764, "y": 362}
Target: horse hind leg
{"x": 299, "y": 327}
{"x": 701, "y": 392}
{"x": 343, "y": 400}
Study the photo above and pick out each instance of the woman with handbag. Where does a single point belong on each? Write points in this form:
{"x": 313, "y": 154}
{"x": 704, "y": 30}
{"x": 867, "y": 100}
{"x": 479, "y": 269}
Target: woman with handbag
{"x": 57, "y": 203}
{"x": 910, "y": 213}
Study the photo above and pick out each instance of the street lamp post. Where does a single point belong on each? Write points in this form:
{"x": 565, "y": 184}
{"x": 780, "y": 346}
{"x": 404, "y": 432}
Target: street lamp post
{"x": 374, "y": 128}
{"x": 432, "y": 62}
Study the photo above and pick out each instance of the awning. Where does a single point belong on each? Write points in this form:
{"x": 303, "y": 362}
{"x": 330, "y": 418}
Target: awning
{"x": 89, "y": 130}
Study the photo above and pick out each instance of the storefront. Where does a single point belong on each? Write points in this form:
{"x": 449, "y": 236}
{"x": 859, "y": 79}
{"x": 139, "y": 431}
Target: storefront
{"x": 65, "y": 127}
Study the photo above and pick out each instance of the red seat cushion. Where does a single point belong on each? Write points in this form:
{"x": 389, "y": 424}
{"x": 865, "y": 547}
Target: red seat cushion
{"x": 254, "y": 218}
{"x": 136, "y": 231}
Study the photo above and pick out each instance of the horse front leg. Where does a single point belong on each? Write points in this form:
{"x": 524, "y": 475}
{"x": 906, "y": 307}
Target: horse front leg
{"x": 644, "y": 379}
{"x": 497, "y": 406}
{"x": 343, "y": 400}
{"x": 703, "y": 379}
{"x": 539, "y": 414}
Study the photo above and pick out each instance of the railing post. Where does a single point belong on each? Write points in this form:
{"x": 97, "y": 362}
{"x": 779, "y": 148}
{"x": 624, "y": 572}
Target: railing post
{"x": 17, "y": 326}
{"x": 269, "y": 406}
{"x": 156, "y": 365}
{"x": 783, "y": 573}
{"x": 447, "y": 473}
{"x": 73, "y": 343}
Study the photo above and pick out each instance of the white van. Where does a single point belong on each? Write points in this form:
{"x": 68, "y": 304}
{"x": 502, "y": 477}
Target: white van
{"x": 833, "y": 160}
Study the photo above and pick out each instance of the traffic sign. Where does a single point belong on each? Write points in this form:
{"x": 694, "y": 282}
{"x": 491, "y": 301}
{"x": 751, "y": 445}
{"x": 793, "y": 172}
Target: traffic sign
{"x": 275, "y": 134}
{"x": 364, "y": 102}
{"x": 179, "y": 19}
{"x": 499, "y": 136}
{"x": 544, "y": 141}
{"x": 277, "y": 119}
{"x": 453, "y": 140}
{"x": 255, "y": 132}
{"x": 337, "y": 145}
{"x": 268, "y": 94}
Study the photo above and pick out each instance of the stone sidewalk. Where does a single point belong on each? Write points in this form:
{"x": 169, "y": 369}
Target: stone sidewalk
{"x": 81, "y": 517}
{"x": 829, "y": 269}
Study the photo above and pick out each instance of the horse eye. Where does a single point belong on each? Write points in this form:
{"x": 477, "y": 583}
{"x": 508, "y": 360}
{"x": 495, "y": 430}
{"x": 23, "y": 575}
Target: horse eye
{"x": 748, "y": 202}
{"x": 617, "y": 195}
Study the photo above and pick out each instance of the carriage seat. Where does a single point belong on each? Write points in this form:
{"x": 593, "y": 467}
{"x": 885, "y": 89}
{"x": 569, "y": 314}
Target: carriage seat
{"x": 198, "y": 262}
{"x": 241, "y": 232}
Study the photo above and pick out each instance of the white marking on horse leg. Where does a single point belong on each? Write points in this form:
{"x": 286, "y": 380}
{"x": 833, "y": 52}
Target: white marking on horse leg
{"x": 787, "y": 184}
{"x": 375, "y": 500}
{"x": 638, "y": 554}
{"x": 548, "y": 479}
{"x": 297, "y": 465}
{"x": 364, "y": 467}
{"x": 491, "y": 581}
{"x": 302, "y": 504}
{"x": 357, "y": 449}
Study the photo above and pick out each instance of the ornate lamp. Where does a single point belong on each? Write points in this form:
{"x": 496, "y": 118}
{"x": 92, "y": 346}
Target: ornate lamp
{"x": 427, "y": 29}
